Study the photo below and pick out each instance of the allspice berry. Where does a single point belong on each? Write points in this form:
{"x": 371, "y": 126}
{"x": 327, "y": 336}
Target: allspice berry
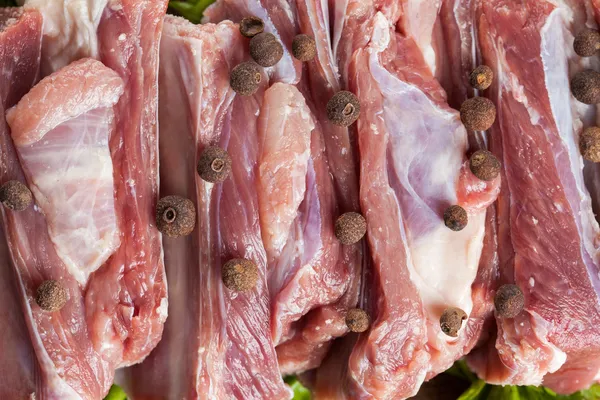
{"x": 587, "y": 42}
{"x": 304, "y": 48}
{"x": 265, "y": 49}
{"x": 175, "y": 216}
{"x": 15, "y": 196}
{"x": 481, "y": 77}
{"x": 357, "y": 320}
{"x": 251, "y": 26}
{"x": 478, "y": 113}
{"x": 214, "y": 164}
{"x": 585, "y": 86}
{"x": 245, "y": 78}
{"x": 343, "y": 108}
{"x": 456, "y": 218}
{"x": 51, "y": 296}
{"x": 350, "y": 228}
{"x": 484, "y": 165}
{"x": 240, "y": 274}
{"x": 589, "y": 144}
{"x": 451, "y": 321}
{"x": 509, "y": 301}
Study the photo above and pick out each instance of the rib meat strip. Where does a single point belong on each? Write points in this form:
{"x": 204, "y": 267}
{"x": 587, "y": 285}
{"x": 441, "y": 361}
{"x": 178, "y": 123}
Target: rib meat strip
{"x": 547, "y": 231}
{"x": 404, "y": 192}
{"x": 217, "y": 342}
{"x": 20, "y": 42}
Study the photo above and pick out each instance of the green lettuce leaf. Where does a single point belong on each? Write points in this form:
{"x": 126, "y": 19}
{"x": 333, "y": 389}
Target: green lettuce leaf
{"x": 191, "y": 9}
{"x": 116, "y": 393}
{"x": 479, "y": 390}
{"x": 300, "y": 392}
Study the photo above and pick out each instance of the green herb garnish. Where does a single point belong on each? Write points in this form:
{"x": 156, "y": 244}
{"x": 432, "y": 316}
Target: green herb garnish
{"x": 191, "y": 9}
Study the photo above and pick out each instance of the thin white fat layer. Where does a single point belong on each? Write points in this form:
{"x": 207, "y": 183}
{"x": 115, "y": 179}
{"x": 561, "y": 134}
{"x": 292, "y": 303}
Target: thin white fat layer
{"x": 443, "y": 264}
{"x": 82, "y": 222}
{"x": 555, "y": 41}
{"x": 421, "y": 19}
{"x": 69, "y": 30}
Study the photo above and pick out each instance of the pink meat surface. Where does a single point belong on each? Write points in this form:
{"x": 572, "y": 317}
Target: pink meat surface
{"x": 320, "y": 81}
{"x": 328, "y": 282}
{"x": 77, "y": 194}
{"x": 20, "y": 39}
{"x": 280, "y": 20}
{"x": 126, "y": 300}
{"x": 81, "y": 374}
{"x": 116, "y": 316}
{"x": 546, "y": 228}
{"x": 295, "y": 196}
{"x": 217, "y": 343}
{"x": 403, "y": 195}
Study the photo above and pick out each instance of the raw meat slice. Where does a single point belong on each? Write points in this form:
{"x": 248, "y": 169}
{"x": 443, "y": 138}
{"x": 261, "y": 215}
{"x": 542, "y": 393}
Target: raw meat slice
{"x": 126, "y": 300}
{"x": 118, "y": 317}
{"x": 306, "y": 250}
{"x": 20, "y": 41}
{"x": 72, "y": 136}
{"x": 404, "y": 192}
{"x": 280, "y": 20}
{"x": 20, "y": 369}
{"x": 336, "y": 273}
{"x": 217, "y": 342}
{"x": 284, "y": 130}
{"x": 547, "y": 231}
{"x": 69, "y": 367}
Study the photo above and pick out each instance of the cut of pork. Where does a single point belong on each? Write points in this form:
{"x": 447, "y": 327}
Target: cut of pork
{"x": 420, "y": 266}
{"x": 321, "y": 279}
{"x": 547, "y": 231}
{"x": 217, "y": 342}
{"x": 126, "y": 300}
{"x": 77, "y": 193}
{"x": 82, "y": 374}
{"x": 20, "y": 41}
{"x": 116, "y": 317}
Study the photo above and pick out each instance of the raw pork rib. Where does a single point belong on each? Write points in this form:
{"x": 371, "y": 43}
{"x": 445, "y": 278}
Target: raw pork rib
{"x": 547, "y": 230}
{"x": 20, "y": 41}
{"x": 323, "y": 273}
{"x": 217, "y": 342}
{"x": 76, "y": 195}
{"x": 420, "y": 266}
{"x": 115, "y": 315}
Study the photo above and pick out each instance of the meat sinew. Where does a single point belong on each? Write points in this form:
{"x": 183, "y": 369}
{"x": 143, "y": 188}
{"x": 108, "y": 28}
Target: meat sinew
{"x": 217, "y": 342}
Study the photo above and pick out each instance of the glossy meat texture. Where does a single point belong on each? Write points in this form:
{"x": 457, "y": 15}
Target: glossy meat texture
{"x": 126, "y": 299}
{"x": 279, "y": 17}
{"x": 68, "y": 365}
{"x": 324, "y": 282}
{"x": 404, "y": 193}
{"x": 77, "y": 194}
{"x": 546, "y": 228}
{"x": 217, "y": 342}
{"x": 20, "y": 39}
{"x": 115, "y": 317}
